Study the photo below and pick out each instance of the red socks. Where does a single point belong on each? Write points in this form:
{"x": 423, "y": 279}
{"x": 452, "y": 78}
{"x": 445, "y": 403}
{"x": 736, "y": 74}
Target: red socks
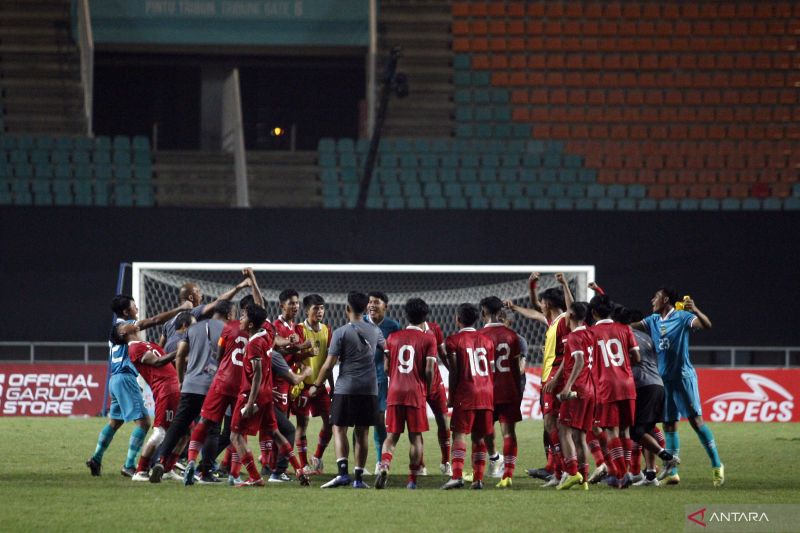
{"x": 459, "y": 454}
{"x": 585, "y": 471}
{"x": 558, "y": 459}
{"x": 597, "y": 452}
{"x": 287, "y": 451}
{"x": 571, "y": 465}
{"x": 617, "y": 455}
{"x": 250, "y": 465}
{"x": 236, "y": 464}
{"x": 386, "y": 461}
{"x": 143, "y": 465}
{"x": 627, "y": 446}
{"x": 444, "y": 444}
{"x": 169, "y": 461}
{"x": 478, "y": 460}
{"x": 196, "y": 440}
{"x": 266, "y": 449}
{"x": 660, "y": 437}
{"x": 412, "y": 471}
{"x": 636, "y": 459}
{"x": 509, "y": 456}
{"x": 324, "y": 439}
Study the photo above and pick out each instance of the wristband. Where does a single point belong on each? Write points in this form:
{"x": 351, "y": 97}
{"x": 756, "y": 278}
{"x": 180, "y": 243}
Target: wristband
{"x": 532, "y": 284}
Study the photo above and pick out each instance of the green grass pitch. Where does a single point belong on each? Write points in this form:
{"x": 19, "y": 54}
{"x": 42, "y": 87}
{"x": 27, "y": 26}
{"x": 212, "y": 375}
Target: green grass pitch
{"x": 44, "y": 485}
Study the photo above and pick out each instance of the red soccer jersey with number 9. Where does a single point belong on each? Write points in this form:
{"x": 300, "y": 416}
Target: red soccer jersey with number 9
{"x": 229, "y": 374}
{"x": 259, "y": 346}
{"x": 506, "y": 363}
{"x": 163, "y": 380}
{"x": 474, "y": 354}
{"x": 581, "y": 340}
{"x": 408, "y": 352}
{"x": 612, "y": 362}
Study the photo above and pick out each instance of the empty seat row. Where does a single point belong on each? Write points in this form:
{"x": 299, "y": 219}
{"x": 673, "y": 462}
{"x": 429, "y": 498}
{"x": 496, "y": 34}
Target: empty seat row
{"x": 64, "y": 193}
{"x": 120, "y": 143}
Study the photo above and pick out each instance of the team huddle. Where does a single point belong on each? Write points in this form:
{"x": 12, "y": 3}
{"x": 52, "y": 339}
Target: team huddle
{"x": 221, "y": 373}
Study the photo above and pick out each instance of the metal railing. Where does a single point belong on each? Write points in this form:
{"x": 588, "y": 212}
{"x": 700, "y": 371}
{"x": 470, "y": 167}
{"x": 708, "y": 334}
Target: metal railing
{"x": 53, "y": 352}
{"x": 86, "y": 47}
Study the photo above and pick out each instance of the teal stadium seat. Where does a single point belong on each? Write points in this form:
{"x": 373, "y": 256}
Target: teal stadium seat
{"x": 668, "y": 204}
{"x": 616, "y": 191}
{"x": 500, "y": 203}
{"x": 647, "y": 204}
{"x": 412, "y": 189}
{"x": 513, "y": 190}
{"x": 39, "y": 156}
{"x": 103, "y": 143}
{"x": 791, "y": 203}
{"x": 421, "y": 146}
{"x": 576, "y": 191}
{"x": 487, "y": 175}
{"x": 535, "y": 190}
{"x": 327, "y": 159}
{"x": 448, "y": 175}
{"x": 41, "y": 192}
{"x": 478, "y": 202}
{"x": 521, "y": 202}
{"x": 751, "y": 204}
{"x": 462, "y": 61}
{"x": 415, "y": 202}
{"x": 348, "y": 159}
{"x": 101, "y": 157}
{"x": 453, "y": 190}
{"x": 637, "y": 191}
{"x": 121, "y": 143}
{"x": 102, "y": 172}
{"x": 468, "y": 175}
{"x": 542, "y": 204}
{"x": 556, "y": 190}
{"x": 392, "y": 189}
{"x": 344, "y": 146}
{"x": 710, "y": 204}
{"x": 473, "y": 190}
{"x": 606, "y": 204}
{"x": 457, "y": 203}
{"x": 144, "y": 194}
{"x": 141, "y": 143}
{"x": 584, "y": 204}
{"x": 771, "y": 204}
{"x": 563, "y": 204}
{"x": 80, "y": 156}
{"x": 326, "y": 145}
{"x": 437, "y": 202}
{"x": 508, "y": 175}
{"x": 689, "y": 204}
{"x": 432, "y": 190}
{"x": 101, "y": 193}
{"x": 395, "y": 202}
{"x": 626, "y": 204}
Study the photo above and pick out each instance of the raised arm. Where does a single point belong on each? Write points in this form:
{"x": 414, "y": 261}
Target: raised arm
{"x": 258, "y": 298}
{"x": 533, "y": 314}
{"x": 209, "y": 308}
{"x": 568, "y": 299}
{"x": 163, "y": 317}
{"x": 533, "y": 281}
{"x": 701, "y": 321}
{"x": 150, "y": 358}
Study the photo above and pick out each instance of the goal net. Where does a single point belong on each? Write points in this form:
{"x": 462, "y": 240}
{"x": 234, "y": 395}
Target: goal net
{"x": 443, "y": 287}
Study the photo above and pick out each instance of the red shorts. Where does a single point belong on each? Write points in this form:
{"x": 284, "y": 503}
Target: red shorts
{"x": 262, "y": 421}
{"x": 216, "y": 405}
{"x": 400, "y": 416}
{"x": 166, "y": 405}
{"x": 619, "y": 414}
{"x": 550, "y": 403}
{"x": 281, "y": 399}
{"x": 507, "y": 413}
{"x": 438, "y": 399}
{"x": 577, "y": 413}
{"x": 472, "y": 421}
{"x": 319, "y": 405}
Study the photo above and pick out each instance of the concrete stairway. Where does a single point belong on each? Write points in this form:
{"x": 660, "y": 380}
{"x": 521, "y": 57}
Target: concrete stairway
{"x": 284, "y": 179}
{"x": 422, "y": 28}
{"x": 40, "y": 68}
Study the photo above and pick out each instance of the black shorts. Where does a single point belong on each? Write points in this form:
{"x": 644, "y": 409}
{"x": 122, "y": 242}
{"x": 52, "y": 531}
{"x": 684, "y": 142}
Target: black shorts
{"x": 649, "y": 406}
{"x": 354, "y": 410}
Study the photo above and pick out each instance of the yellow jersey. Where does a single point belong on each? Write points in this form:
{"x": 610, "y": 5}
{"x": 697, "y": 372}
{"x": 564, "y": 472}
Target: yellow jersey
{"x": 319, "y": 346}
{"x": 554, "y": 338}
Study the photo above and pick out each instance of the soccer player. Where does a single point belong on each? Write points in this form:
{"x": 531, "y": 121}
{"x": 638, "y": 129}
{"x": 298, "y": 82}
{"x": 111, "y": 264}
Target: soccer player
{"x": 253, "y": 411}
{"x": 669, "y": 329}
{"x": 376, "y": 314}
{"x": 196, "y": 363}
{"x": 507, "y": 390}
{"x": 549, "y": 309}
{"x": 126, "y": 397}
{"x": 471, "y": 359}
{"x": 319, "y": 335}
{"x": 355, "y": 398}
{"x": 154, "y": 366}
{"x": 576, "y": 413}
{"x": 293, "y": 351}
{"x": 437, "y": 401}
{"x": 614, "y": 349}
{"x": 649, "y": 405}
{"x": 411, "y": 355}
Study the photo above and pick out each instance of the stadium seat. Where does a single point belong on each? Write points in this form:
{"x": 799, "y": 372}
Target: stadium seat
{"x": 478, "y": 202}
{"x": 542, "y": 204}
{"x": 584, "y": 204}
{"x": 144, "y": 194}
{"x": 437, "y": 202}
{"x": 457, "y": 203}
{"x": 326, "y": 145}
{"x": 141, "y": 144}
{"x": 121, "y": 143}
{"x": 415, "y": 202}
{"x": 521, "y": 202}
{"x": 101, "y": 194}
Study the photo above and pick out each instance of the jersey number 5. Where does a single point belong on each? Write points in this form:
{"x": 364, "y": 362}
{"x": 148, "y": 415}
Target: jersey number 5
{"x": 478, "y": 364}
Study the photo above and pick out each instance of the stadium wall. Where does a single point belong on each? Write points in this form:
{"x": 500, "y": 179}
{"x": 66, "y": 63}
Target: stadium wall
{"x": 58, "y": 266}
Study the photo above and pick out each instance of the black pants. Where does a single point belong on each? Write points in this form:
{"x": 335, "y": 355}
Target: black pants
{"x": 287, "y": 429}
{"x": 188, "y": 409}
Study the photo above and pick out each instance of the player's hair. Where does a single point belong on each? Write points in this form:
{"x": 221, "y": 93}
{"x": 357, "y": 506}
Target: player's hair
{"x": 286, "y": 294}
{"x": 121, "y": 303}
{"x": 580, "y": 310}
{"x": 357, "y": 301}
{"x": 186, "y": 290}
{"x": 626, "y": 316}
{"x": 183, "y": 320}
{"x": 115, "y": 336}
{"x": 246, "y": 301}
{"x": 670, "y": 293}
{"x": 554, "y": 297}
{"x": 380, "y": 295}
{"x": 256, "y": 314}
{"x": 492, "y": 305}
{"x": 467, "y": 314}
{"x": 223, "y": 308}
{"x": 602, "y": 306}
{"x": 416, "y": 310}
{"x": 618, "y": 313}
{"x": 313, "y": 299}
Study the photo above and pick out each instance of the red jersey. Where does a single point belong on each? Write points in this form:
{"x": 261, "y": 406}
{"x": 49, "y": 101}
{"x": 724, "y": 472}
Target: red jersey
{"x": 614, "y": 379}
{"x": 474, "y": 353}
{"x": 259, "y": 346}
{"x": 409, "y": 350}
{"x": 163, "y": 379}
{"x": 506, "y": 363}
{"x": 229, "y": 374}
{"x": 580, "y": 341}
{"x": 434, "y": 329}
{"x": 286, "y": 329}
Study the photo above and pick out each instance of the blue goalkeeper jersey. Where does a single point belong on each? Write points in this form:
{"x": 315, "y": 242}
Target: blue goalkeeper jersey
{"x": 671, "y": 339}
{"x": 387, "y": 327}
{"x": 118, "y": 355}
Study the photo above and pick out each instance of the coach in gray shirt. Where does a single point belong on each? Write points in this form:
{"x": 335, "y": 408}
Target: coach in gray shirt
{"x": 355, "y": 395}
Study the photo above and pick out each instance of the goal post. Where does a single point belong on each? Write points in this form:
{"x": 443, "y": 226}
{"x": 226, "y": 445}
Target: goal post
{"x": 156, "y": 285}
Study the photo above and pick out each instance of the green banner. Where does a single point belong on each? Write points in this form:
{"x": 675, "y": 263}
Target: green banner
{"x": 232, "y": 22}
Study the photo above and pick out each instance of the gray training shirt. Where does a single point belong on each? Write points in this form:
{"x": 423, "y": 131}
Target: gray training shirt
{"x": 173, "y": 337}
{"x": 202, "y": 364}
{"x": 646, "y": 372}
{"x": 355, "y": 344}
